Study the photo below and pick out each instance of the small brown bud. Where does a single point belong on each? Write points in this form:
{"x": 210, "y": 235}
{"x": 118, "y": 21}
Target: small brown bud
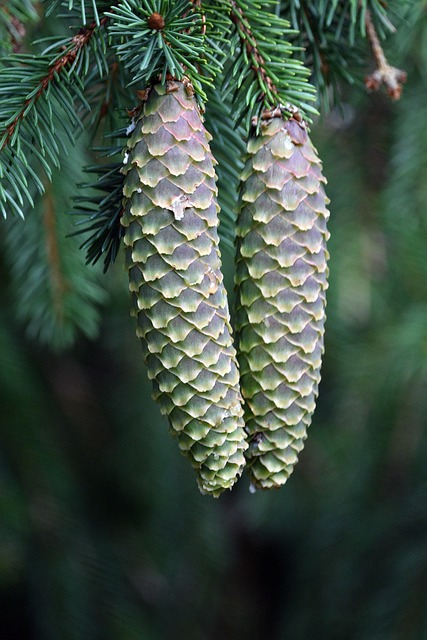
{"x": 156, "y": 21}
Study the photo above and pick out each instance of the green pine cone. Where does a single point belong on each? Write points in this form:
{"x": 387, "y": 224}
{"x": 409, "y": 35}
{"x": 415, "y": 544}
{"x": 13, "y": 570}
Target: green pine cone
{"x": 171, "y": 222}
{"x": 281, "y": 282}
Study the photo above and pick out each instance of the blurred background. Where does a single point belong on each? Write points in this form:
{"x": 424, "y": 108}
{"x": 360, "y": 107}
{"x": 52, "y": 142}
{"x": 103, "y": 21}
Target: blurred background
{"x": 103, "y": 534}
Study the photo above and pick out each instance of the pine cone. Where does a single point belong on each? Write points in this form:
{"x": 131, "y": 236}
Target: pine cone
{"x": 281, "y": 280}
{"x": 171, "y": 222}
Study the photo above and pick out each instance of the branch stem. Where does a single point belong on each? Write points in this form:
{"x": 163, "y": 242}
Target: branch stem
{"x": 385, "y": 74}
{"x": 57, "y": 281}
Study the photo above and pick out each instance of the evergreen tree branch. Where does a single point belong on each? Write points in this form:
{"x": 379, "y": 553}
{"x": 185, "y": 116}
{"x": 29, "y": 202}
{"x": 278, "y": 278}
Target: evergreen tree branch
{"x": 264, "y": 72}
{"x": 228, "y": 148}
{"x": 101, "y": 209}
{"x": 253, "y": 52}
{"x": 38, "y": 97}
{"x": 68, "y": 59}
{"x": 322, "y": 32}
{"x": 391, "y": 77}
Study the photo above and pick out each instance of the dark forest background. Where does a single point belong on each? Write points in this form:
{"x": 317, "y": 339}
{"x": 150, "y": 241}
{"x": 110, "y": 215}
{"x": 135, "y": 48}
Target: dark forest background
{"x": 103, "y": 534}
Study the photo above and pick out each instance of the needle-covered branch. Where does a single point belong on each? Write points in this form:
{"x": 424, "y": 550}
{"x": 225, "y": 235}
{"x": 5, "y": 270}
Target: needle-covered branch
{"x": 264, "y": 71}
{"x": 101, "y": 208}
{"x": 42, "y": 98}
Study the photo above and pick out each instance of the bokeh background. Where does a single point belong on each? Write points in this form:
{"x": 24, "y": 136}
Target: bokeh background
{"x": 103, "y": 534}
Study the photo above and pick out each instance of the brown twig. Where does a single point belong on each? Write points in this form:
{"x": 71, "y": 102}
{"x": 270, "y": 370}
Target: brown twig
{"x": 384, "y": 74}
{"x": 59, "y": 285}
{"x": 17, "y": 32}
{"x": 80, "y": 40}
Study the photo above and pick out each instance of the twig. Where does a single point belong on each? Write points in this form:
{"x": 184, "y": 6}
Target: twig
{"x": 17, "y": 33}
{"x": 58, "y": 283}
{"x": 385, "y": 74}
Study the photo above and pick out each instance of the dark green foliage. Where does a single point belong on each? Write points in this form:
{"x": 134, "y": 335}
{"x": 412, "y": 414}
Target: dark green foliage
{"x": 101, "y": 211}
{"x": 86, "y": 10}
{"x": 109, "y": 99}
{"x": 57, "y": 297}
{"x": 228, "y": 149}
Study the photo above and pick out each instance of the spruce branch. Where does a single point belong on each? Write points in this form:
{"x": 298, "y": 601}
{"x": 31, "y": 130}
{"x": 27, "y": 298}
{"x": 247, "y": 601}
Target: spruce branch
{"x": 331, "y": 37}
{"x": 323, "y": 31}
{"x": 39, "y": 98}
{"x": 254, "y": 54}
{"x": 61, "y": 63}
{"x": 264, "y": 71}
{"x": 228, "y": 148}
{"x": 391, "y": 77}
{"x": 101, "y": 209}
